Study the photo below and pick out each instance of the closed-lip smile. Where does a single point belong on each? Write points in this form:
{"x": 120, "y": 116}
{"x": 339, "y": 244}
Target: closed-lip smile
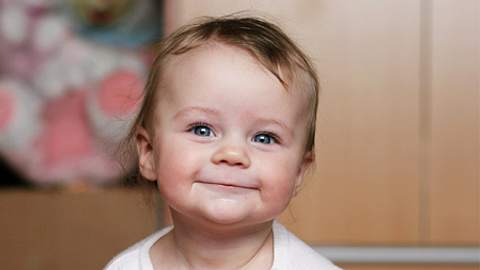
{"x": 228, "y": 184}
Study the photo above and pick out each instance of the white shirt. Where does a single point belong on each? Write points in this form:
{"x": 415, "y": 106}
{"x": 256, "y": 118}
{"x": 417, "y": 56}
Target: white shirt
{"x": 289, "y": 253}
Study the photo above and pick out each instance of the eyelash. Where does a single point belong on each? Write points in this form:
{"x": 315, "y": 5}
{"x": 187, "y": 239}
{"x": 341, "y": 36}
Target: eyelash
{"x": 274, "y": 137}
{"x": 191, "y": 129}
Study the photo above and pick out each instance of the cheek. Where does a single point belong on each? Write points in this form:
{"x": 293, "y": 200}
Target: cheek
{"x": 177, "y": 164}
{"x": 278, "y": 176}
{"x": 173, "y": 163}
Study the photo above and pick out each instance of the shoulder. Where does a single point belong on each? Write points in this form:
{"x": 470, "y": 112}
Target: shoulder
{"x": 292, "y": 253}
{"x": 128, "y": 259}
{"x": 136, "y": 256}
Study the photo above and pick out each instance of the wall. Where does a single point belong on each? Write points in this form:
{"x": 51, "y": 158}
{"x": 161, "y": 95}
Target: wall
{"x": 398, "y": 126}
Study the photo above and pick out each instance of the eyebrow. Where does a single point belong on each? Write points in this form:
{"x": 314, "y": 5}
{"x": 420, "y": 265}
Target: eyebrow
{"x": 276, "y": 122}
{"x": 195, "y": 109}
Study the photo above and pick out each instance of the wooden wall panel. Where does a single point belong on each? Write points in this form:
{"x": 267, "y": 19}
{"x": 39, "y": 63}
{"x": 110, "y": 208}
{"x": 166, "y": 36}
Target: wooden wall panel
{"x": 70, "y": 230}
{"x": 454, "y": 184}
{"x": 365, "y": 185}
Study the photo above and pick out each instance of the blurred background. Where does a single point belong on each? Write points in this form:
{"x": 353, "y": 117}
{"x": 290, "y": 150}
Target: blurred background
{"x": 396, "y": 183}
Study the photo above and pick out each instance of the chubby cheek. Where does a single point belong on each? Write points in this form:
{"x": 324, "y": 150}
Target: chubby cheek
{"x": 278, "y": 183}
{"x": 175, "y": 166}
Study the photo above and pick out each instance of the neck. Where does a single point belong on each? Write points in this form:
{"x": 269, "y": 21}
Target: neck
{"x": 200, "y": 246}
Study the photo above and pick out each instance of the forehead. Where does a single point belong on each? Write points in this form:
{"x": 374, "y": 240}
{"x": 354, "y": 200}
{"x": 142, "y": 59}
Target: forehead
{"x": 212, "y": 55}
{"x": 222, "y": 67}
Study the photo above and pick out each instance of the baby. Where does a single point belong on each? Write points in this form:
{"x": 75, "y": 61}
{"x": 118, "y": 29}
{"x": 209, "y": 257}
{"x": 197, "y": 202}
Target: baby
{"x": 226, "y": 131}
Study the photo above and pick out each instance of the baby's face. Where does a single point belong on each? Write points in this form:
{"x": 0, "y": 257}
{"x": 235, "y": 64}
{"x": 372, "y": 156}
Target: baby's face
{"x": 229, "y": 140}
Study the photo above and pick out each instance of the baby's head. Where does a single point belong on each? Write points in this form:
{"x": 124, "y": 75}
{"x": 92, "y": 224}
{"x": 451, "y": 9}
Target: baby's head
{"x": 227, "y": 124}
{"x": 267, "y": 43}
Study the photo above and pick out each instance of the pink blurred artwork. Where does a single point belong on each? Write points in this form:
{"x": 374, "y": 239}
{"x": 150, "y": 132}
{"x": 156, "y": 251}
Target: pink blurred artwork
{"x": 66, "y": 100}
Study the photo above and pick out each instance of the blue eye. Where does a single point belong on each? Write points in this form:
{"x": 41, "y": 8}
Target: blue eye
{"x": 264, "y": 138}
{"x": 202, "y": 130}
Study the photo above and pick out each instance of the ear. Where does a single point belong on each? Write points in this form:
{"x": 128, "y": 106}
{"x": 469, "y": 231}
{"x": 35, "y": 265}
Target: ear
{"x": 146, "y": 159}
{"x": 307, "y": 161}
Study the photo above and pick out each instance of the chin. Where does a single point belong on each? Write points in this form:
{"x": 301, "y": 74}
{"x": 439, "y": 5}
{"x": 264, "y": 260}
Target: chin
{"x": 227, "y": 217}
{"x": 225, "y": 214}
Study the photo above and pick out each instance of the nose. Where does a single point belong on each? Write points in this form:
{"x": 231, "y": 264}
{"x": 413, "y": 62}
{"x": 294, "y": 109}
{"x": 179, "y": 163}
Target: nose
{"x": 232, "y": 156}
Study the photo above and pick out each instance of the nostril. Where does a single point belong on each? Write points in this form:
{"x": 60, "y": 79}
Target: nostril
{"x": 232, "y": 163}
{"x": 231, "y": 157}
